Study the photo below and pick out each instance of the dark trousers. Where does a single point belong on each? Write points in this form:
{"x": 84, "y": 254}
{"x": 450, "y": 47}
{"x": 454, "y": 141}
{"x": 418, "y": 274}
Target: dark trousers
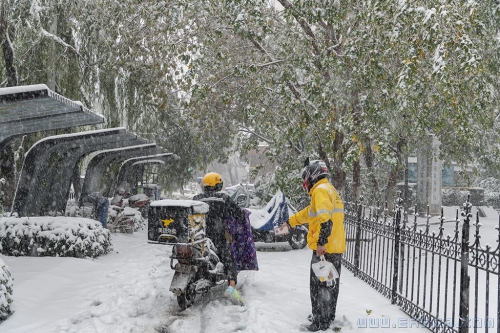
{"x": 323, "y": 297}
{"x": 102, "y": 213}
{"x": 229, "y": 265}
{"x": 226, "y": 257}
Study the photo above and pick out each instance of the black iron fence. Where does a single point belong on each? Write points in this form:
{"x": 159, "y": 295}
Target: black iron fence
{"x": 445, "y": 282}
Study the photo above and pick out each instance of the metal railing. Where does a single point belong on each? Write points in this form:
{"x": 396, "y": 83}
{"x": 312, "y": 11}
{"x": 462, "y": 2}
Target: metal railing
{"x": 444, "y": 282}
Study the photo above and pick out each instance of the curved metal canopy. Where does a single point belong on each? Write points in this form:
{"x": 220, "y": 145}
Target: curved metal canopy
{"x": 69, "y": 168}
{"x": 45, "y": 177}
{"x": 102, "y": 164}
{"x": 134, "y": 167}
{"x": 36, "y": 108}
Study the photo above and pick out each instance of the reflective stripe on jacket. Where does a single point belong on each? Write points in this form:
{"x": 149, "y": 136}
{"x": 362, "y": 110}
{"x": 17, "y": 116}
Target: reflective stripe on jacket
{"x": 325, "y": 205}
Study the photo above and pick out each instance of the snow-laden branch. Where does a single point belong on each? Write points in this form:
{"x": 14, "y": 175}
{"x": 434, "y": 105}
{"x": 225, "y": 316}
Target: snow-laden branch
{"x": 294, "y": 90}
{"x": 271, "y": 63}
{"x": 332, "y": 49}
{"x": 247, "y": 130}
{"x": 59, "y": 41}
{"x": 35, "y": 10}
{"x": 221, "y": 79}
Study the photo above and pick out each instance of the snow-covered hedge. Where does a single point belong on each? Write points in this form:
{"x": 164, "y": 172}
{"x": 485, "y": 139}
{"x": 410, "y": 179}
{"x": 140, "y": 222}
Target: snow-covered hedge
{"x": 53, "y": 236}
{"x": 453, "y": 197}
{"x": 6, "y": 289}
{"x": 491, "y": 191}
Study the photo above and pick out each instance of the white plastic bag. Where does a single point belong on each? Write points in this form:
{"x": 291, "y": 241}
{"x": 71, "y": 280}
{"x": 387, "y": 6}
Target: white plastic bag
{"x": 325, "y": 271}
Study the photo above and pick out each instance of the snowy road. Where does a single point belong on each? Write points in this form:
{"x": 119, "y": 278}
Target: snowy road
{"x": 127, "y": 291}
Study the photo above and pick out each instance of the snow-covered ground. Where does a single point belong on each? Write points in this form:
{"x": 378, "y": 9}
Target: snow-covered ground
{"x": 128, "y": 291}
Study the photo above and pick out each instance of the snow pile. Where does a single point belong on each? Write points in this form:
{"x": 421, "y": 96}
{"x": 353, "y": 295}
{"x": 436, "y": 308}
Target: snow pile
{"x": 5, "y": 291}
{"x": 53, "y": 236}
{"x": 116, "y": 212}
{"x": 128, "y": 290}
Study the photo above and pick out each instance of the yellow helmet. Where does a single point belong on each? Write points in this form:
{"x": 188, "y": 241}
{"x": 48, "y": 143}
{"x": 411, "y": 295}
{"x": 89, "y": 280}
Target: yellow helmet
{"x": 212, "y": 181}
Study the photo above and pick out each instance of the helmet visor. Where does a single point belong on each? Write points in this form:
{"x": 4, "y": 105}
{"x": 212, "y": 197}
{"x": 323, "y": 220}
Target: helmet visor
{"x": 306, "y": 185}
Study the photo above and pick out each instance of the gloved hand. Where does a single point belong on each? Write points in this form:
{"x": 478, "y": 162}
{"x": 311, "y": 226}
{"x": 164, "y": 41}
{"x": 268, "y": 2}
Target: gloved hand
{"x": 284, "y": 228}
{"x": 233, "y": 295}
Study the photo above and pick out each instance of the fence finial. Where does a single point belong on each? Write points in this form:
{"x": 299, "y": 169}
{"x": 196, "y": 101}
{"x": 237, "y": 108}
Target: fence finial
{"x": 441, "y": 221}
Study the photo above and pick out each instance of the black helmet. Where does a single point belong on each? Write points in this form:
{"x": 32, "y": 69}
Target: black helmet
{"x": 312, "y": 172}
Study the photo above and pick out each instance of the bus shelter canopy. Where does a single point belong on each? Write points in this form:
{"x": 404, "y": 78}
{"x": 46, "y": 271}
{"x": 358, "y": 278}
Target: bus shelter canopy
{"x": 133, "y": 169}
{"x": 102, "y": 170}
{"x": 36, "y": 108}
{"x": 50, "y": 163}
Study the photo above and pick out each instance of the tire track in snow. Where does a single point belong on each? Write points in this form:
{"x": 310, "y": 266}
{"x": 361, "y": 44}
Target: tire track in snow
{"x": 212, "y": 312}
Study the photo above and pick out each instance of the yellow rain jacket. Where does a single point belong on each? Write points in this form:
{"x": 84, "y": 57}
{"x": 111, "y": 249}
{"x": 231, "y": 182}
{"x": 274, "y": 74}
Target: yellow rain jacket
{"x": 325, "y": 205}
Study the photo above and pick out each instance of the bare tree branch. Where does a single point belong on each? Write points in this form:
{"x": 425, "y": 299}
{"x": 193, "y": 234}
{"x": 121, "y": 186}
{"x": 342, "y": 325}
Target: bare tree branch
{"x": 271, "y": 63}
{"x": 261, "y": 48}
{"x": 297, "y": 149}
{"x": 304, "y": 25}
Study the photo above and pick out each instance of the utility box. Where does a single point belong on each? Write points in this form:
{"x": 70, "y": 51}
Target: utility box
{"x": 177, "y": 221}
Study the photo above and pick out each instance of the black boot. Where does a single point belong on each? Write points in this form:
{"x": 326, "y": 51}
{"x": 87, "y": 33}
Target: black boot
{"x": 316, "y": 326}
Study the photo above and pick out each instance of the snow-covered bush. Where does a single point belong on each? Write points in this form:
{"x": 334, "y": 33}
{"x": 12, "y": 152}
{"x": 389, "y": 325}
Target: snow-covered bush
{"x": 139, "y": 221}
{"x": 6, "y": 289}
{"x": 74, "y": 210}
{"x": 453, "y": 197}
{"x": 491, "y": 191}
{"x": 53, "y": 236}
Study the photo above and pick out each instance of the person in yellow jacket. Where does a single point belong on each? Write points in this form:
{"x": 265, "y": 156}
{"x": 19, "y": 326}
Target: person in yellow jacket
{"x": 326, "y": 237}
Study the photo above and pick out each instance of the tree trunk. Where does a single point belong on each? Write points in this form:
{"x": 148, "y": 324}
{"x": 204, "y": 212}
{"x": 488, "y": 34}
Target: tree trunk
{"x": 233, "y": 176}
{"x": 336, "y": 170}
{"x": 391, "y": 186}
{"x": 6, "y": 32}
{"x": 339, "y": 178}
{"x": 7, "y": 161}
{"x": 393, "y": 176}
{"x": 77, "y": 182}
{"x": 7, "y": 171}
{"x": 51, "y": 74}
{"x": 368, "y": 154}
{"x": 356, "y": 178}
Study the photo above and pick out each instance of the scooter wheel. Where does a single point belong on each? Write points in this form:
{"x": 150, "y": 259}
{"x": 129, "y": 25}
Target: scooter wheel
{"x": 298, "y": 239}
{"x": 186, "y": 299}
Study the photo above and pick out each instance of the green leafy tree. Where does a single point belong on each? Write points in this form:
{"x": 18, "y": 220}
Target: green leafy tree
{"x": 353, "y": 80}
{"x": 355, "y": 84}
